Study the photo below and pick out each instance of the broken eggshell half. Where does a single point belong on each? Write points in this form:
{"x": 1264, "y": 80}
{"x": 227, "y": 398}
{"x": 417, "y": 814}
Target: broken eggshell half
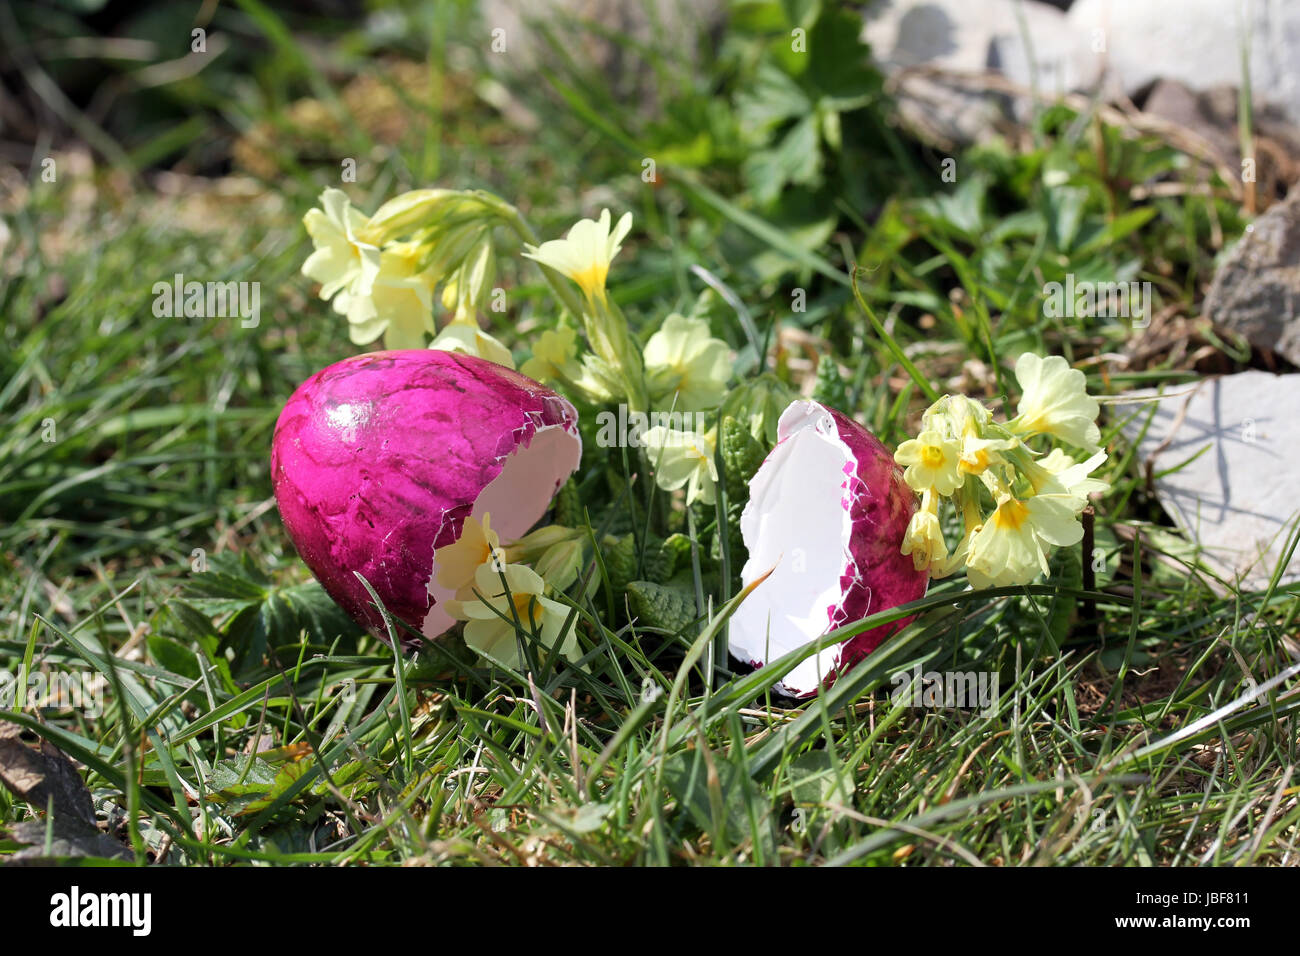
{"x": 378, "y": 460}
{"x": 827, "y": 513}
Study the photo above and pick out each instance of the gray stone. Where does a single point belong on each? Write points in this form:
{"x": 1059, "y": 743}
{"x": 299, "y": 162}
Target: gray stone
{"x": 1038, "y": 52}
{"x": 1127, "y": 45}
{"x": 1117, "y": 47}
{"x": 1239, "y": 499}
{"x": 1256, "y": 291}
{"x": 941, "y": 112}
{"x": 943, "y": 33}
{"x": 1211, "y": 114}
{"x": 972, "y": 36}
{"x": 1028, "y": 42}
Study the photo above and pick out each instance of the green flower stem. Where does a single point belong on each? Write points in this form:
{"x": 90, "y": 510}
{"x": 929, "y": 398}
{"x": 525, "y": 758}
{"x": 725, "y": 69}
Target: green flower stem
{"x": 513, "y": 218}
{"x": 700, "y": 604}
{"x": 621, "y": 353}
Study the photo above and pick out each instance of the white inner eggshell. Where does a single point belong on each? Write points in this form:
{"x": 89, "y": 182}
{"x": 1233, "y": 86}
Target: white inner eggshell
{"x": 796, "y": 522}
{"x": 515, "y": 500}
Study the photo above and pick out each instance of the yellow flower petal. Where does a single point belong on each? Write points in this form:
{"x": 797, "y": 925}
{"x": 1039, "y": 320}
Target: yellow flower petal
{"x": 1055, "y": 401}
{"x": 585, "y": 253}
{"x": 683, "y": 459}
{"x": 469, "y": 339}
{"x": 931, "y": 462}
{"x": 683, "y": 361}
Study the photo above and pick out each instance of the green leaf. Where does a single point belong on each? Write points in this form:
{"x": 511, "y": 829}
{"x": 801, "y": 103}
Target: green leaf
{"x": 174, "y": 656}
{"x": 568, "y": 505}
{"x": 228, "y": 583}
{"x": 660, "y": 561}
{"x": 831, "y": 129}
{"x": 800, "y": 13}
{"x": 260, "y": 614}
{"x": 686, "y": 776}
{"x": 669, "y": 608}
{"x": 830, "y": 387}
{"x": 962, "y": 210}
{"x": 774, "y": 98}
{"x": 742, "y": 454}
{"x": 1064, "y": 209}
{"x": 759, "y": 402}
{"x": 776, "y": 236}
{"x": 245, "y": 787}
{"x": 679, "y": 546}
{"x": 239, "y": 776}
{"x": 621, "y": 564}
{"x": 839, "y": 62}
{"x": 1067, "y": 570}
{"x": 795, "y": 159}
{"x": 589, "y": 817}
{"x": 813, "y": 779}
{"x": 1029, "y": 618}
{"x": 1118, "y": 228}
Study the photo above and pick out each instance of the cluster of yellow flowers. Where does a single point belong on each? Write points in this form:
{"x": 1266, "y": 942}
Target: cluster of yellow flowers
{"x": 681, "y": 365}
{"x": 685, "y": 368}
{"x": 962, "y": 455}
{"x": 381, "y": 272}
{"x": 473, "y": 568}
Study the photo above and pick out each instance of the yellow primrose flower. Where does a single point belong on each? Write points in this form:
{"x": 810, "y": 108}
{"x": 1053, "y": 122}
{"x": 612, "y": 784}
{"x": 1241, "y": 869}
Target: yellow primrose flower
{"x": 1059, "y": 474}
{"x": 956, "y": 415}
{"x": 496, "y": 639}
{"x": 468, "y": 339}
{"x": 931, "y": 462}
{"x": 978, "y": 453}
{"x": 923, "y": 539}
{"x": 598, "y": 380}
{"x": 1056, "y": 461}
{"x": 398, "y": 304}
{"x": 682, "y": 358}
{"x": 457, "y": 563}
{"x": 1055, "y": 401}
{"x": 1004, "y": 551}
{"x": 966, "y": 421}
{"x": 683, "y": 459}
{"x": 537, "y": 542}
{"x": 449, "y": 297}
{"x": 1010, "y": 548}
{"x": 584, "y": 254}
{"x": 339, "y": 261}
{"x": 554, "y": 356}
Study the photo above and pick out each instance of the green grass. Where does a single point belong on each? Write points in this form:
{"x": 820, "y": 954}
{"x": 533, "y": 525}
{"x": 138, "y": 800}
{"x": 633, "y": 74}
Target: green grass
{"x": 1141, "y": 721}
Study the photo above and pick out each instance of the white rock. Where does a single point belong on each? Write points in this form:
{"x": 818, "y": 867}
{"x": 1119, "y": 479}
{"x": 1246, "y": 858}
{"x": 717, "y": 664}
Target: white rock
{"x": 1051, "y": 42}
{"x": 968, "y": 35}
{"x": 971, "y": 36}
{"x": 1197, "y": 42}
{"x": 946, "y": 33}
{"x": 1239, "y": 499}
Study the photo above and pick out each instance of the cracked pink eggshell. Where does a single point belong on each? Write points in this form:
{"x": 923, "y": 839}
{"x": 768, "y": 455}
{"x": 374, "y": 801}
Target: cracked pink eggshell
{"x": 377, "y": 460}
{"x": 828, "y": 509}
